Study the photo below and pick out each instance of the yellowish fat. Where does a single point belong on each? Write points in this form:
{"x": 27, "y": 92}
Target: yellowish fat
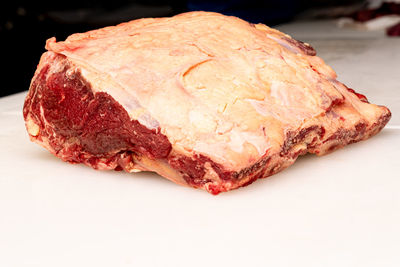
{"x": 32, "y": 127}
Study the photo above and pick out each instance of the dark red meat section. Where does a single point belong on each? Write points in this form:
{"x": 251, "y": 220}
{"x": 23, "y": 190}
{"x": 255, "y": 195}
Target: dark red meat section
{"x": 193, "y": 170}
{"x": 95, "y": 122}
{"x": 394, "y": 30}
{"x": 387, "y": 8}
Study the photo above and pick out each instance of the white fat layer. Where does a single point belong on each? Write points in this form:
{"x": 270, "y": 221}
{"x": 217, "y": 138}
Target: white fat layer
{"x": 230, "y": 98}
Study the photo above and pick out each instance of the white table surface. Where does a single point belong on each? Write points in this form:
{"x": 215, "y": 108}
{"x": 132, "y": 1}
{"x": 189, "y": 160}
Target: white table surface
{"x": 342, "y": 209}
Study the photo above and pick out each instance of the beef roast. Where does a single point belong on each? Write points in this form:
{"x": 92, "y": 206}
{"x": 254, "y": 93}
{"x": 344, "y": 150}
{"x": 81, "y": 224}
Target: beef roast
{"x": 203, "y": 99}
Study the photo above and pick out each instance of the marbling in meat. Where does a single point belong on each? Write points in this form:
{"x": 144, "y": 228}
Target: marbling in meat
{"x": 203, "y": 99}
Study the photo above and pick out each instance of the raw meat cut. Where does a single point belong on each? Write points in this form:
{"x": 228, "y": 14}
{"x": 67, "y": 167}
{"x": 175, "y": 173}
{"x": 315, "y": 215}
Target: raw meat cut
{"x": 203, "y": 99}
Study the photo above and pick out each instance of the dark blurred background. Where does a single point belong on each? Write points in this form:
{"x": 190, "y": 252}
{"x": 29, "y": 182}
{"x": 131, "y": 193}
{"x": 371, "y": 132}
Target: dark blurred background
{"x": 25, "y": 25}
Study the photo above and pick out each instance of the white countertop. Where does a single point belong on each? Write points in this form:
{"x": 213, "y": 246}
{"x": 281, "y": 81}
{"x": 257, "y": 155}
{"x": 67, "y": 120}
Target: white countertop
{"x": 342, "y": 209}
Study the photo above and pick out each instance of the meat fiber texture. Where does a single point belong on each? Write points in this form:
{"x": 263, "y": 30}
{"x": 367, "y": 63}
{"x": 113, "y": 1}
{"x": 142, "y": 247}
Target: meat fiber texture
{"x": 203, "y": 99}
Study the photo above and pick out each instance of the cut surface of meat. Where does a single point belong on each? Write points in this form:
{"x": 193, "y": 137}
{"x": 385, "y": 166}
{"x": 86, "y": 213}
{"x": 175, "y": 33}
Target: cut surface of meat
{"x": 203, "y": 99}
